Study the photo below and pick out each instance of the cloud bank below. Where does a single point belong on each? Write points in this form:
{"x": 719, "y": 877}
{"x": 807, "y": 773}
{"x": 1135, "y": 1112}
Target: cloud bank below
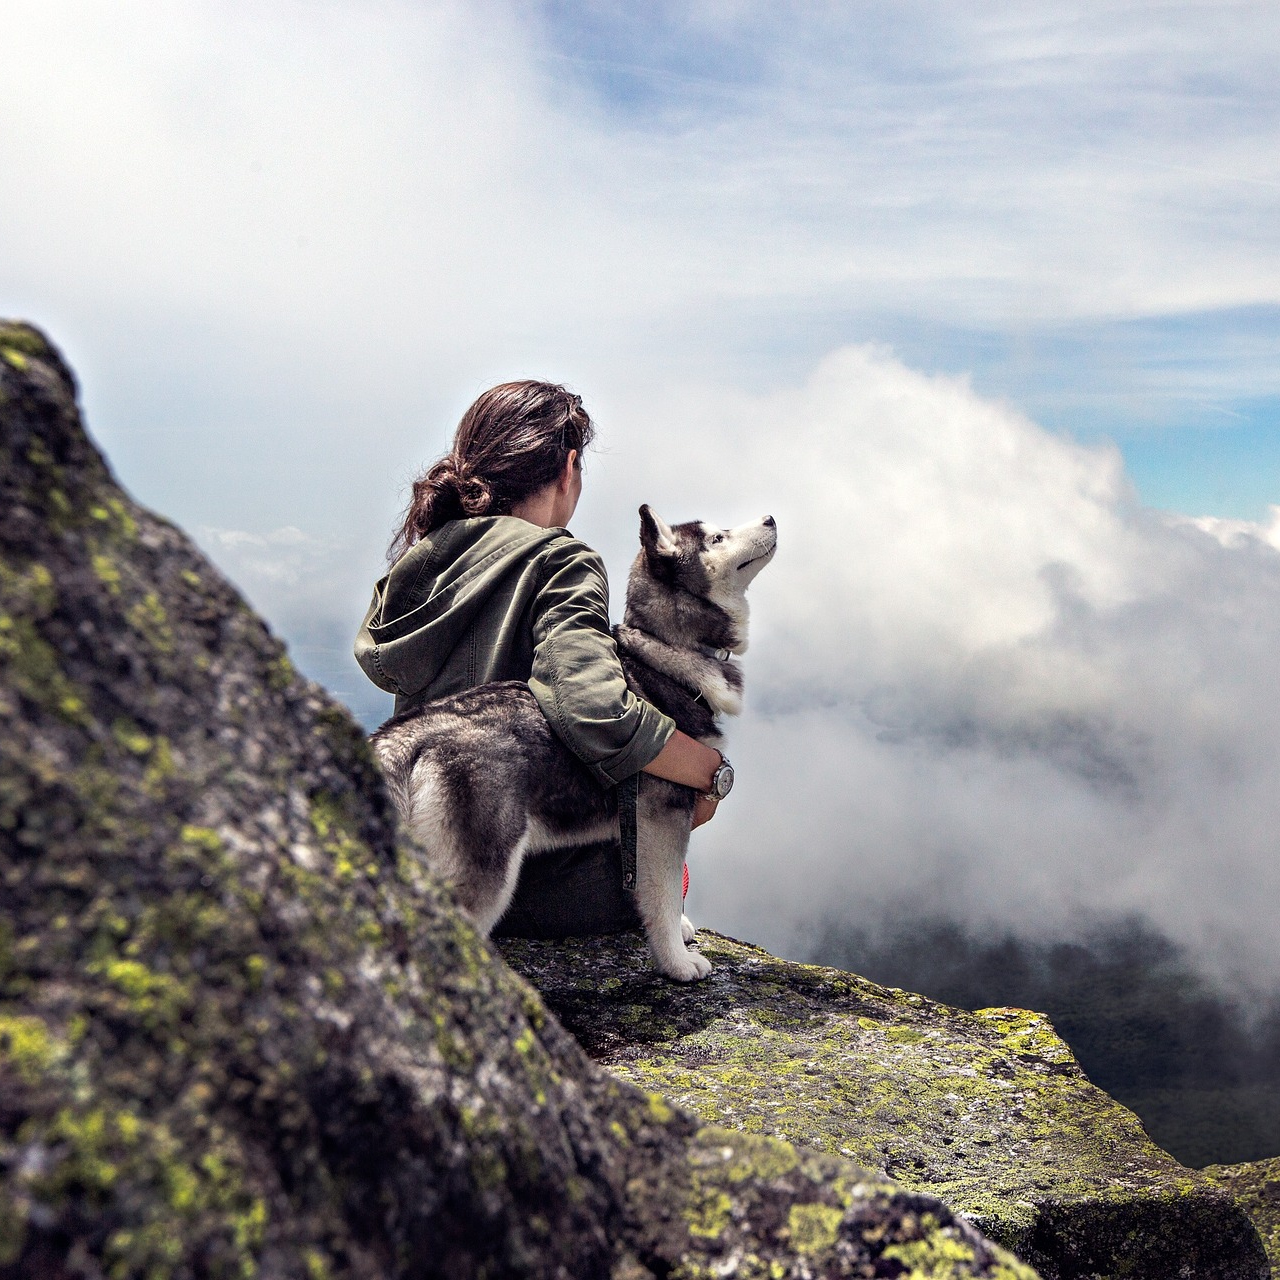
{"x": 984, "y": 680}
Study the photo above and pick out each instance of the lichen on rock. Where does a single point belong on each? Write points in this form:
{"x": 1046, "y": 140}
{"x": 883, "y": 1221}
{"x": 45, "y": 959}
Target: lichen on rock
{"x": 241, "y": 1031}
{"x": 1256, "y": 1188}
{"x": 989, "y": 1111}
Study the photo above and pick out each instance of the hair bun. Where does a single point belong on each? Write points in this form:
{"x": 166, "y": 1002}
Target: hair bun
{"x": 474, "y": 494}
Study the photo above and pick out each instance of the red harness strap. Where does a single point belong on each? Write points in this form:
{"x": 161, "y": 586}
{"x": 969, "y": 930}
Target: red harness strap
{"x": 685, "y": 893}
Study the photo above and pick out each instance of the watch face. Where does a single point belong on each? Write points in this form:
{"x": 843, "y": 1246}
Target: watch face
{"x": 722, "y": 783}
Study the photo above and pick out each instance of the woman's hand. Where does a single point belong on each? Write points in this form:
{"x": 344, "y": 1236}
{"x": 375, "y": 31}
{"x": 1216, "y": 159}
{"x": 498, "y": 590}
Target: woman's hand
{"x": 703, "y": 811}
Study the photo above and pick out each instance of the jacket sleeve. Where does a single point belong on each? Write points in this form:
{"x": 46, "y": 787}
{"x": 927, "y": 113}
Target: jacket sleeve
{"x": 577, "y": 677}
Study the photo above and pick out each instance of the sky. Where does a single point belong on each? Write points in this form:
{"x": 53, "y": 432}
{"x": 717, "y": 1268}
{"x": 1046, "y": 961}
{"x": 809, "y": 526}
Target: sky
{"x": 981, "y": 302}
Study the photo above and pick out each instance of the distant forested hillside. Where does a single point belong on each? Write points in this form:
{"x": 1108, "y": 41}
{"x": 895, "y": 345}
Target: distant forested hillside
{"x": 1199, "y": 1065}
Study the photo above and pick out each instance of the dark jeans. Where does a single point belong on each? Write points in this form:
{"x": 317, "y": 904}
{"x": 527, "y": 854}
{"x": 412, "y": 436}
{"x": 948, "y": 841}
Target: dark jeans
{"x": 570, "y": 893}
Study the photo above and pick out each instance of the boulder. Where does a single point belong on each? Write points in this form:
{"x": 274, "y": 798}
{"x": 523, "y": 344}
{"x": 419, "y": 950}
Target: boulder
{"x": 988, "y": 1111}
{"x": 1256, "y": 1188}
{"x": 241, "y": 1033}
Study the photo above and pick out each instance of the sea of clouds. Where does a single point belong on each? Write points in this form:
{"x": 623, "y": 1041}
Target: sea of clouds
{"x": 984, "y": 681}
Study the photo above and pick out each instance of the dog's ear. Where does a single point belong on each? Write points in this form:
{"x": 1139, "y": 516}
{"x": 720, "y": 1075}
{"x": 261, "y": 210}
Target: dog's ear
{"x": 656, "y": 538}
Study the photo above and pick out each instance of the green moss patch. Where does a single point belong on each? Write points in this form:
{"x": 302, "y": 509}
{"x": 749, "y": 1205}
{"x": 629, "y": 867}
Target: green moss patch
{"x": 1256, "y": 1188}
{"x": 988, "y": 1111}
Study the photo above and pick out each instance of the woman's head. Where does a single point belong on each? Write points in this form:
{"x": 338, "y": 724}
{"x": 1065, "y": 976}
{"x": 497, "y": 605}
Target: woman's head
{"x": 513, "y": 441}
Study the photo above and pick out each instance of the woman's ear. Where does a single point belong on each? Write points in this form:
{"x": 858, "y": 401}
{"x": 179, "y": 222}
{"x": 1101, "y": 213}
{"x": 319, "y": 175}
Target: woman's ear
{"x": 656, "y": 536}
{"x": 565, "y": 481}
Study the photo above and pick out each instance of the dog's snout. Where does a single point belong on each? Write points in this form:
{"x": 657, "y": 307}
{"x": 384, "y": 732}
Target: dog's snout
{"x": 769, "y": 522}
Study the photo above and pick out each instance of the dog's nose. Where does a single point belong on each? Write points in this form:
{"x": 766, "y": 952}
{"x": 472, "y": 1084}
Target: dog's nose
{"x": 768, "y": 522}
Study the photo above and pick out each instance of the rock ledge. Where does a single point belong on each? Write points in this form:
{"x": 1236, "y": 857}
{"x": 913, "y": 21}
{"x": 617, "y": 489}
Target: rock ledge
{"x": 988, "y": 1111}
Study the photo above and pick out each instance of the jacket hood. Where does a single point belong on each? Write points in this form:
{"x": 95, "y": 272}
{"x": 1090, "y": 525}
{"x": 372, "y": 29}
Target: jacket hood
{"x": 424, "y": 606}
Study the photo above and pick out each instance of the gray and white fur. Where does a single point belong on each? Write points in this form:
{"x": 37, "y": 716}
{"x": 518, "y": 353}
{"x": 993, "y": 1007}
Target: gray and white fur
{"x": 482, "y": 782}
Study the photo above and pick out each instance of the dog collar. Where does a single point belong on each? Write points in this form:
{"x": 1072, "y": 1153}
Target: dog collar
{"x": 707, "y": 651}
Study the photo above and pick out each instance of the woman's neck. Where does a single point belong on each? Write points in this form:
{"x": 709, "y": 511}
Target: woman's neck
{"x": 539, "y": 508}
{"x": 552, "y": 506}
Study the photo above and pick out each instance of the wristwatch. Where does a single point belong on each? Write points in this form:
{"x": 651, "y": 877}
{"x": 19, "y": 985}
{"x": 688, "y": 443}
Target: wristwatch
{"x": 721, "y": 780}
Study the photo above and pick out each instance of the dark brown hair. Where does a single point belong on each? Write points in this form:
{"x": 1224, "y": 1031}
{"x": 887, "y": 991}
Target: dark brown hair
{"x": 513, "y": 441}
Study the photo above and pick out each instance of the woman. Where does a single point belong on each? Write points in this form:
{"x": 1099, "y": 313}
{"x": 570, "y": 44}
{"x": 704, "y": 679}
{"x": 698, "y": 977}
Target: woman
{"x": 488, "y": 584}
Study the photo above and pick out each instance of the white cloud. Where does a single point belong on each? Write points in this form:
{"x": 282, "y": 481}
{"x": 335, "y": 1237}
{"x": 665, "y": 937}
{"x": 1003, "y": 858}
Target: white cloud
{"x": 983, "y": 680}
{"x": 428, "y": 172}
{"x": 283, "y": 557}
{"x": 1239, "y": 533}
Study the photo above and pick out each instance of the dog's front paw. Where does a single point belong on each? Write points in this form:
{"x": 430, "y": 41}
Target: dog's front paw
{"x": 691, "y": 967}
{"x": 687, "y": 931}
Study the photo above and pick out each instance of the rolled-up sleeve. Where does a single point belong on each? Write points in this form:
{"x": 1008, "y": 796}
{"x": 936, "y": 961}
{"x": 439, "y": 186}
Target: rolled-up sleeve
{"x": 577, "y": 677}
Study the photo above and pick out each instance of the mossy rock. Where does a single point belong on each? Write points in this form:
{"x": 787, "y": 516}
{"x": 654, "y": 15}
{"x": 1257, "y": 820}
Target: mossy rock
{"x": 1256, "y": 1188}
{"x": 988, "y": 1111}
{"x": 241, "y": 1032}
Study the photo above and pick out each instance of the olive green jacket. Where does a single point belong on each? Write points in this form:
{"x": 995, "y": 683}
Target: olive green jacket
{"x": 498, "y": 598}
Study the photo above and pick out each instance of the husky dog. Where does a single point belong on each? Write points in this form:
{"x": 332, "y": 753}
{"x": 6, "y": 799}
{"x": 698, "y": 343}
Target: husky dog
{"x": 482, "y": 781}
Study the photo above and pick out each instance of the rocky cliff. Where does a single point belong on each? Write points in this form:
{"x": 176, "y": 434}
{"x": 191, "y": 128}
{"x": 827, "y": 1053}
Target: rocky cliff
{"x": 1256, "y": 1188}
{"x": 241, "y": 1033}
{"x": 987, "y": 1111}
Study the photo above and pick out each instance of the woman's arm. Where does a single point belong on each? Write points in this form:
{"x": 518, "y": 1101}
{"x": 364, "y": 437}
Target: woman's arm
{"x": 687, "y": 761}
{"x": 578, "y": 681}
{"x": 577, "y": 677}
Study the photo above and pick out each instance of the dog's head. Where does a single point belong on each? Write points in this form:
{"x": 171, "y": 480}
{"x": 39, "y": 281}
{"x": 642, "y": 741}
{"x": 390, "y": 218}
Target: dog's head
{"x": 684, "y": 563}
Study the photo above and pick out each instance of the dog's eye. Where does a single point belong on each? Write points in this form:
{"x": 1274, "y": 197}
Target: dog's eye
{"x": 718, "y": 537}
